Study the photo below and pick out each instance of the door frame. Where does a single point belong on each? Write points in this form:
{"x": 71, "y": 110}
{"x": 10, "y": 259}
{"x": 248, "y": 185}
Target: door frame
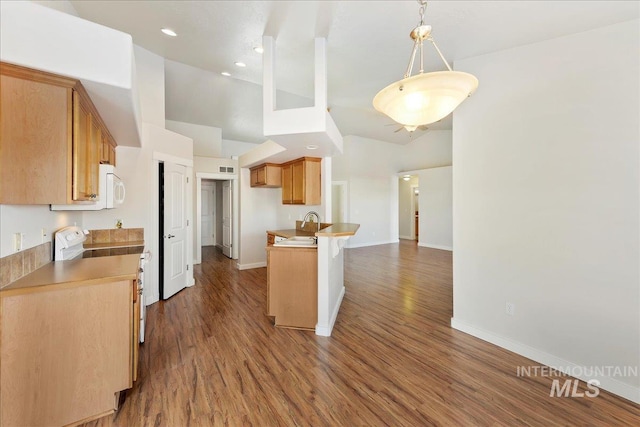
{"x": 235, "y": 194}
{"x": 413, "y": 213}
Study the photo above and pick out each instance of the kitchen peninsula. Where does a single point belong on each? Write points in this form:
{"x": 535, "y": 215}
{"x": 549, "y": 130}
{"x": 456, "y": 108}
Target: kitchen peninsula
{"x": 305, "y": 275}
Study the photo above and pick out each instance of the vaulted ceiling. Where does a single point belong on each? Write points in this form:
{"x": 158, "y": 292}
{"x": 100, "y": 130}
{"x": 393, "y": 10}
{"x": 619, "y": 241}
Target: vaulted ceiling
{"x": 368, "y": 47}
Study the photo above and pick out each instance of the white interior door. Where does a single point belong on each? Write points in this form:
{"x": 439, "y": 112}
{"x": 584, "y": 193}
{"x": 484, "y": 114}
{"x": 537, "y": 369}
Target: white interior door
{"x": 226, "y": 218}
{"x": 175, "y": 229}
{"x": 207, "y": 214}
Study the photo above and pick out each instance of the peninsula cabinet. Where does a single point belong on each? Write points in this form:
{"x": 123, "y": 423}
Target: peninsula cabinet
{"x": 266, "y": 175}
{"x": 301, "y": 181}
{"x": 292, "y": 286}
{"x": 51, "y": 139}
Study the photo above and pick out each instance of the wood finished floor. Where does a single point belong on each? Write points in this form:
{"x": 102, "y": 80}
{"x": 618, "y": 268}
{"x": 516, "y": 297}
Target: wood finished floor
{"x": 212, "y": 357}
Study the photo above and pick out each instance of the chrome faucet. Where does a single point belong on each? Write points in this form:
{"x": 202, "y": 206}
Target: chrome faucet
{"x": 306, "y": 218}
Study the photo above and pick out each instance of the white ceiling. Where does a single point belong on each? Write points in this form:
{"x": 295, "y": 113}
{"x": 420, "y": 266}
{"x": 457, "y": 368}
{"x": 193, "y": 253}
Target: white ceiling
{"x": 368, "y": 47}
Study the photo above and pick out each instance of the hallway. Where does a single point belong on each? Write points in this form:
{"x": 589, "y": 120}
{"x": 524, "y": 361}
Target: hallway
{"x": 212, "y": 357}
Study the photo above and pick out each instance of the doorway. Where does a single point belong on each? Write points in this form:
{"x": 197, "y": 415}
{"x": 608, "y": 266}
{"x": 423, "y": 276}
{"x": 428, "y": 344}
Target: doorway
{"x": 208, "y": 200}
{"x": 224, "y": 215}
{"x": 408, "y": 207}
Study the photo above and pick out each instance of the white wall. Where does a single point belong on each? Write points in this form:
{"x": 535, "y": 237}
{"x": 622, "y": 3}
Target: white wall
{"x": 370, "y": 168}
{"x": 150, "y": 72}
{"x": 546, "y": 210}
{"x": 436, "y": 208}
{"x": 231, "y": 148}
{"x": 60, "y": 5}
{"x": 207, "y": 140}
{"x": 30, "y": 220}
{"x": 258, "y": 213}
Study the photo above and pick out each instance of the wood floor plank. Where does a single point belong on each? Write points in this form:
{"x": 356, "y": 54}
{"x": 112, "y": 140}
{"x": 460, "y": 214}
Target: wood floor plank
{"x": 213, "y": 358}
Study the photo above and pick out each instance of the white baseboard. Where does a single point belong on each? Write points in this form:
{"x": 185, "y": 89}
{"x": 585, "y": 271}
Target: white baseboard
{"x": 427, "y": 245}
{"x": 325, "y": 331}
{"x": 362, "y": 245}
{"x": 253, "y": 265}
{"x": 191, "y": 281}
{"x": 607, "y": 383}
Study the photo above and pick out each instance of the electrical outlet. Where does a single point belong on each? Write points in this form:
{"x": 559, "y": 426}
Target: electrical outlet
{"x": 17, "y": 242}
{"x": 510, "y": 308}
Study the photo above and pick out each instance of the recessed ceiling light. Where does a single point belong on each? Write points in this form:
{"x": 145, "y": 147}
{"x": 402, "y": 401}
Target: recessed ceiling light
{"x": 225, "y": 73}
{"x": 312, "y": 147}
{"x": 406, "y": 177}
{"x": 258, "y": 49}
{"x": 240, "y": 64}
{"x": 169, "y": 32}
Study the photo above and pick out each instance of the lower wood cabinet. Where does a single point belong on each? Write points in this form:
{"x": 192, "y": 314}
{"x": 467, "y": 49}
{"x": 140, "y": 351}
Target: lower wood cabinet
{"x": 66, "y": 352}
{"x": 292, "y": 286}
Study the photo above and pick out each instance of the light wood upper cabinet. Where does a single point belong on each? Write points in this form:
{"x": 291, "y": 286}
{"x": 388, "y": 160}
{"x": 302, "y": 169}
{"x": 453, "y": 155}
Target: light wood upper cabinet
{"x": 51, "y": 138}
{"x": 301, "y": 181}
{"x": 266, "y": 175}
{"x": 35, "y": 137}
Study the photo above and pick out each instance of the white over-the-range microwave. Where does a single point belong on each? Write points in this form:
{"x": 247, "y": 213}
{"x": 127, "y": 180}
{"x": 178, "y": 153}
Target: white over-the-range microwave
{"x": 111, "y": 193}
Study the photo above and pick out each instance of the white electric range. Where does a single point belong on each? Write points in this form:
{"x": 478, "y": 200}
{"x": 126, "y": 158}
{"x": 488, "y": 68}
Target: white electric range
{"x": 69, "y": 244}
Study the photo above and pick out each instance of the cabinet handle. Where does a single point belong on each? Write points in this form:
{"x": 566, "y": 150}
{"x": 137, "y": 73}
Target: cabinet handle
{"x": 93, "y": 195}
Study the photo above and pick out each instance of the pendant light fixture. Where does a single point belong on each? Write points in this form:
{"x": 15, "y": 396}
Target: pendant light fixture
{"x": 426, "y": 97}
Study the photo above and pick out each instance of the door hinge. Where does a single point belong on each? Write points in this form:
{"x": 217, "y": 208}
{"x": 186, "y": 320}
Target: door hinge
{"x": 187, "y": 267}
{"x": 187, "y": 223}
{"x": 187, "y": 180}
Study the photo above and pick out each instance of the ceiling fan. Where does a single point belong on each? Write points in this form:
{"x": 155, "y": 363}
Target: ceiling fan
{"x": 408, "y": 128}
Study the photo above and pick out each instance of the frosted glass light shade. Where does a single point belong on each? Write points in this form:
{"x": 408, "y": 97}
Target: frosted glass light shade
{"x": 425, "y": 98}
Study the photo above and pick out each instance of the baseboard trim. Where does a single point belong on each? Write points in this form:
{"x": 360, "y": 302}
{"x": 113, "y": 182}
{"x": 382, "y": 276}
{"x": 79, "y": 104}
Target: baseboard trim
{"x": 427, "y": 245}
{"x": 362, "y": 245}
{"x": 606, "y": 383}
{"x": 325, "y": 331}
{"x": 250, "y": 266}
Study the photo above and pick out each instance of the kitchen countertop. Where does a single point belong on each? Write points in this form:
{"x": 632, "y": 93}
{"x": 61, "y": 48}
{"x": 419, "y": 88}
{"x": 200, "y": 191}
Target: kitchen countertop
{"x": 291, "y": 232}
{"x": 338, "y": 230}
{"x": 84, "y": 271}
{"x": 333, "y": 230}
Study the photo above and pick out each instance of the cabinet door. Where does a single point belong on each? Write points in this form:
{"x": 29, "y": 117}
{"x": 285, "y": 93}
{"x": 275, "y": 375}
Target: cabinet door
{"x": 81, "y": 148}
{"x": 112, "y": 155}
{"x": 136, "y": 331}
{"x": 254, "y": 177}
{"x": 104, "y": 152}
{"x": 287, "y": 184}
{"x": 298, "y": 183}
{"x": 87, "y": 143}
{"x": 35, "y": 134}
{"x": 261, "y": 173}
{"x": 93, "y": 160}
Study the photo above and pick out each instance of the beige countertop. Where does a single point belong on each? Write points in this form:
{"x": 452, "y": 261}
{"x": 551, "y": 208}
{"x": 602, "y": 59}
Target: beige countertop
{"x": 332, "y": 230}
{"x": 338, "y": 229}
{"x": 83, "y": 271}
{"x": 290, "y": 233}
